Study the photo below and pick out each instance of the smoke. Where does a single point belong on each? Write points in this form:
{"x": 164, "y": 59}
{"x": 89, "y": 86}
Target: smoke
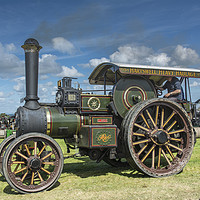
{"x": 82, "y": 23}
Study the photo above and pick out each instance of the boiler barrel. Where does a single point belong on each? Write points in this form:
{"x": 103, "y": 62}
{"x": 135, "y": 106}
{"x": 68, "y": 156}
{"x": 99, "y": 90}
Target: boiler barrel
{"x": 47, "y": 120}
{"x": 60, "y": 125}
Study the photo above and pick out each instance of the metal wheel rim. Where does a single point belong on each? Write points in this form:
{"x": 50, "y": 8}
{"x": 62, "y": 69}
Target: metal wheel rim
{"x": 22, "y": 175}
{"x": 3, "y": 146}
{"x": 145, "y": 148}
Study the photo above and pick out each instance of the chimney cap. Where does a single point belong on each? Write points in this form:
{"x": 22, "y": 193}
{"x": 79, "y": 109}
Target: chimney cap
{"x": 31, "y": 41}
{"x": 31, "y": 44}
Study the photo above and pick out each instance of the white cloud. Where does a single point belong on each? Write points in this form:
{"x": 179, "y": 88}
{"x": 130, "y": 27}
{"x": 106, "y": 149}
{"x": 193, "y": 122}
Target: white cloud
{"x": 20, "y": 85}
{"x": 84, "y": 65}
{"x": 186, "y": 56}
{"x": 10, "y": 47}
{"x": 54, "y": 91}
{"x": 179, "y": 56}
{"x": 46, "y": 91}
{"x": 131, "y": 54}
{"x": 2, "y": 94}
{"x": 48, "y": 64}
{"x": 43, "y": 77}
{"x": 10, "y": 62}
{"x": 160, "y": 59}
{"x": 95, "y": 62}
{"x": 71, "y": 72}
{"x": 63, "y": 45}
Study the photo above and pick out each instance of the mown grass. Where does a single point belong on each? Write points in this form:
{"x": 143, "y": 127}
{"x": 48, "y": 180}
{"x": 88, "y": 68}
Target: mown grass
{"x": 84, "y": 179}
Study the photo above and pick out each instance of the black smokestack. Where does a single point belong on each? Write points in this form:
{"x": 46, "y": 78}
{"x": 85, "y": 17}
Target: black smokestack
{"x": 31, "y": 48}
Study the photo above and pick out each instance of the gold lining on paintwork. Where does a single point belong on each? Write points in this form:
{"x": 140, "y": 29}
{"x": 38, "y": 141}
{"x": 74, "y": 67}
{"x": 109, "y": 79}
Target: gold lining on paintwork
{"x": 48, "y": 122}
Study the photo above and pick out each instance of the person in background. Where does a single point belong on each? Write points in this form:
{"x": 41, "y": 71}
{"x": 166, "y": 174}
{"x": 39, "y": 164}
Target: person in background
{"x": 173, "y": 86}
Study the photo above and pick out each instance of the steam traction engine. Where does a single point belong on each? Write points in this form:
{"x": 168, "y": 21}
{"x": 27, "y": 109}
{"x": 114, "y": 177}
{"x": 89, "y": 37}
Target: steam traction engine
{"x": 130, "y": 123}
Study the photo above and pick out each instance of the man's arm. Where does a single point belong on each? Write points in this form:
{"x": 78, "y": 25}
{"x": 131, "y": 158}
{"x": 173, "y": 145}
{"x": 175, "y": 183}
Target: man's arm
{"x": 177, "y": 89}
{"x": 172, "y": 93}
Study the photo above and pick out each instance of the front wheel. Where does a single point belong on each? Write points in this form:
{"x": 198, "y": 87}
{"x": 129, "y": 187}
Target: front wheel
{"x": 32, "y": 163}
{"x": 158, "y": 138}
{"x": 3, "y": 146}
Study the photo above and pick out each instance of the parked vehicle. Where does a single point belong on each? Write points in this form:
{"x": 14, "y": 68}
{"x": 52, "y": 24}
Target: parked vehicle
{"x": 126, "y": 125}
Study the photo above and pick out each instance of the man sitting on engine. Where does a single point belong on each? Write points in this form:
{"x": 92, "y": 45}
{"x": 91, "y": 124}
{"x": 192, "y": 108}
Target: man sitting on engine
{"x": 173, "y": 86}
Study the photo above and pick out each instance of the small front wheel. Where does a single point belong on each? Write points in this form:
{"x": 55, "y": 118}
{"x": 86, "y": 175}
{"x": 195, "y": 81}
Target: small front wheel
{"x": 3, "y": 146}
{"x": 32, "y": 163}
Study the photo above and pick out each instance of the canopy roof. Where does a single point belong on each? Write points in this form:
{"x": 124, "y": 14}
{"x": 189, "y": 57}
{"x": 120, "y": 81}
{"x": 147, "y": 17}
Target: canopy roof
{"x": 157, "y": 74}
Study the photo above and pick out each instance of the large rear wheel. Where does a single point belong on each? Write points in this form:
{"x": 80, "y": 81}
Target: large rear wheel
{"x": 32, "y": 163}
{"x": 158, "y": 137}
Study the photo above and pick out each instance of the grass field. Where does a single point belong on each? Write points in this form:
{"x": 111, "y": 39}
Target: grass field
{"x": 84, "y": 179}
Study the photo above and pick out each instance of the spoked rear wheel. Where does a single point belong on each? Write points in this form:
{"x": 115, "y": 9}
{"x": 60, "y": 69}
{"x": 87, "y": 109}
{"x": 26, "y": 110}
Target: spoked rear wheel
{"x": 32, "y": 163}
{"x": 158, "y": 138}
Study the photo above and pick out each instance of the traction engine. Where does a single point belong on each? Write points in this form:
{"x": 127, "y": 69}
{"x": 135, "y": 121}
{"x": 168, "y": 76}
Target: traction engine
{"x": 129, "y": 127}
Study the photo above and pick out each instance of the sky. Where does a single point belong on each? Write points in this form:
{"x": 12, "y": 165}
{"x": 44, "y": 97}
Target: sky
{"x": 77, "y": 35}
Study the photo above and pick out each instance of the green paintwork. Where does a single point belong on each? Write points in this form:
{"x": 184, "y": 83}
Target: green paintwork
{"x": 64, "y": 126}
{"x": 85, "y": 120}
{"x": 103, "y": 136}
{"x": 103, "y": 100}
{"x": 84, "y": 136}
{"x": 94, "y": 136}
{"x": 130, "y": 91}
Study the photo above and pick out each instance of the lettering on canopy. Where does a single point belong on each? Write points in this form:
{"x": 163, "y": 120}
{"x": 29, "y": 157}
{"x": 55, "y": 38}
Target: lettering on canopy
{"x": 159, "y": 72}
